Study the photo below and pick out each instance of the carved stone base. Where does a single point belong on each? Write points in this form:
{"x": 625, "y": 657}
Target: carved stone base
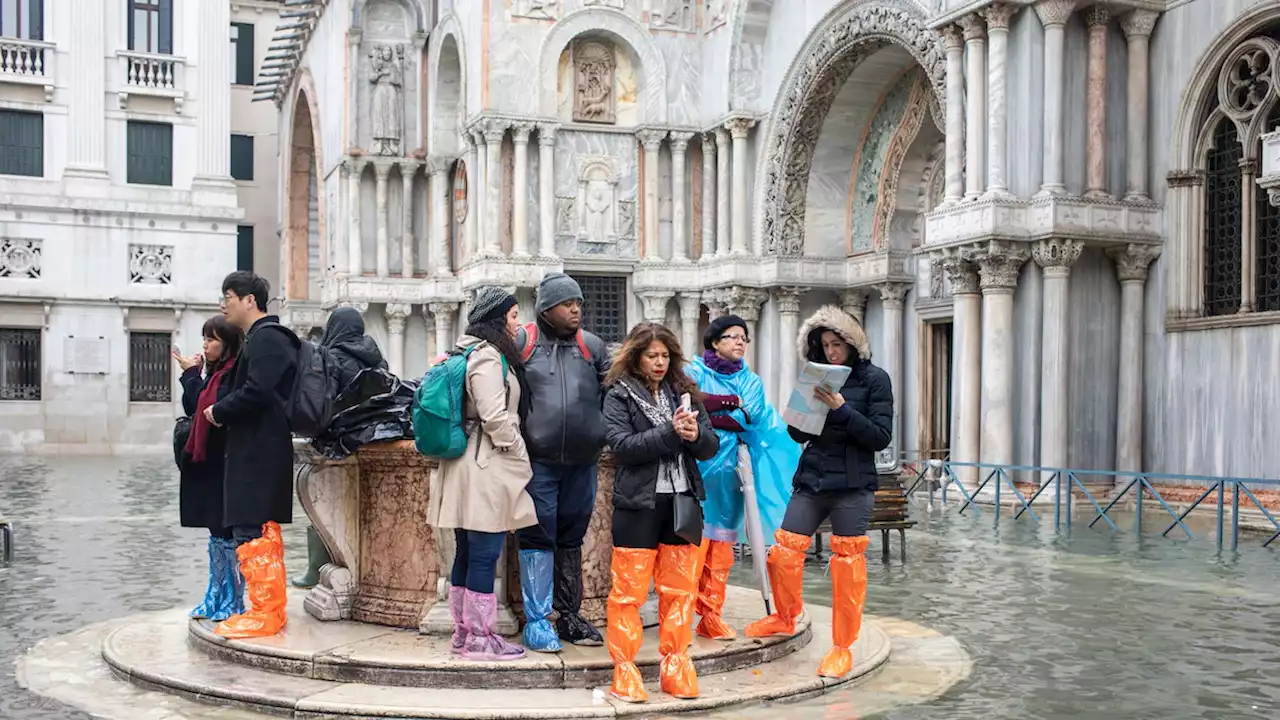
{"x": 332, "y": 597}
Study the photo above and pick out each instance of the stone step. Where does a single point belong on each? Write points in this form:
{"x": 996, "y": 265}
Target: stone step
{"x": 155, "y": 653}
{"x": 363, "y": 653}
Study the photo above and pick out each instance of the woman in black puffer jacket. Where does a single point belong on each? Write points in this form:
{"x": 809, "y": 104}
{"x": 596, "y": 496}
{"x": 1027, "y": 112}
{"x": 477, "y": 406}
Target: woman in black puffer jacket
{"x": 837, "y": 479}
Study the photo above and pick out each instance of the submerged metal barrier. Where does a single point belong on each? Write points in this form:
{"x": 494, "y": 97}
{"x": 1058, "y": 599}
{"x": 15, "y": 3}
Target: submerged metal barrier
{"x": 941, "y": 475}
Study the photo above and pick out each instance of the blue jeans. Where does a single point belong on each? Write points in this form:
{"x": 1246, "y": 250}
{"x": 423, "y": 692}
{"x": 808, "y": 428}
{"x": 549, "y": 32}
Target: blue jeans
{"x": 476, "y": 560}
{"x": 563, "y": 496}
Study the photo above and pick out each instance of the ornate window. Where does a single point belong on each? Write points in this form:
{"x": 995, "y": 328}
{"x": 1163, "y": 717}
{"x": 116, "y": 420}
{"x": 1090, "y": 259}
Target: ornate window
{"x": 604, "y": 311}
{"x": 150, "y": 367}
{"x": 20, "y": 373}
{"x": 1222, "y": 221}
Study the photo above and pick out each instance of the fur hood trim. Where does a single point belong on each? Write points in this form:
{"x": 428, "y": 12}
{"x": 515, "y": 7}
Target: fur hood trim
{"x": 830, "y": 317}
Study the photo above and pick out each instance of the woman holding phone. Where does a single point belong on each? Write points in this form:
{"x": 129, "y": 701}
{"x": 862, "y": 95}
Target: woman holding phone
{"x": 658, "y": 430}
{"x": 206, "y": 379}
{"x": 836, "y": 479}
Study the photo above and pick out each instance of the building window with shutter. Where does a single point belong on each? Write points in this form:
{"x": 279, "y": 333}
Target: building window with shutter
{"x": 242, "y": 157}
{"x": 150, "y": 371}
{"x": 244, "y": 247}
{"x": 22, "y": 19}
{"x": 241, "y": 54}
{"x": 151, "y": 26}
{"x": 150, "y": 153}
{"x": 604, "y": 306}
{"x": 21, "y": 143}
{"x": 20, "y": 373}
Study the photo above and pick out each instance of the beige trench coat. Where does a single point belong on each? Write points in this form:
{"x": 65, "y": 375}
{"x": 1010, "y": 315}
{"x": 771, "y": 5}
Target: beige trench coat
{"x": 484, "y": 489}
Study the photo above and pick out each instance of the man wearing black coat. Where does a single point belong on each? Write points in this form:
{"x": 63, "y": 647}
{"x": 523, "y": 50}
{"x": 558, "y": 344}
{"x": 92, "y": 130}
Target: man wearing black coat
{"x": 258, "y": 486}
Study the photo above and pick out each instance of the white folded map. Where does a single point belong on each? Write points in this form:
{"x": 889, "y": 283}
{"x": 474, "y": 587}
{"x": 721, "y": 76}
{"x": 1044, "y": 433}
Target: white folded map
{"x": 804, "y": 411}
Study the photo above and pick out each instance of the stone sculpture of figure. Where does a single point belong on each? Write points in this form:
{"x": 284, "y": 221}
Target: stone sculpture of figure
{"x": 593, "y": 89}
{"x": 600, "y": 211}
{"x": 387, "y": 75}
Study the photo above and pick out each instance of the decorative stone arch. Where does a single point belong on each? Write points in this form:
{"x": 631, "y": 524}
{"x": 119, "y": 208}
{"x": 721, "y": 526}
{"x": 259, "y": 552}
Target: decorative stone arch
{"x": 825, "y": 61}
{"x": 415, "y": 6}
{"x": 444, "y": 133}
{"x": 304, "y": 155}
{"x": 621, "y": 29}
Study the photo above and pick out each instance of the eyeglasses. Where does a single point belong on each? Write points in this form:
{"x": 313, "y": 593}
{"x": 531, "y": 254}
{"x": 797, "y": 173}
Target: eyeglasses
{"x": 736, "y": 338}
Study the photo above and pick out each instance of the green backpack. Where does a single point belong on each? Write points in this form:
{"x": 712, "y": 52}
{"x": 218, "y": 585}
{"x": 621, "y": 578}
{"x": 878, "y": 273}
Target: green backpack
{"x": 438, "y": 406}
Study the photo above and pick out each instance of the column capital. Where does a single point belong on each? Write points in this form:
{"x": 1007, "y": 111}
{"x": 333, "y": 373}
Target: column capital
{"x": 973, "y": 27}
{"x": 1055, "y": 12}
{"x": 690, "y": 305}
{"x": 961, "y": 272}
{"x": 1185, "y": 178}
{"x": 397, "y": 314}
{"x": 1098, "y": 16}
{"x": 998, "y": 16}
{"x": 520, "y": 132}
{"x": 493, "y": 130}
{"x": 547, "y": 133}
{"x": 708, "y": 139}
{"x": 1139, "y": 23}
{"x": 739, "y": 127}
{"x": 952, "y": 37}
{"x": 893, "y": 294}
{"x": 745, "y": 302}
{"x": 680, "y": 140}
{"x": 438, "y": 164}
{"x": 1057, "y": 256}
{"x": 440, "y": 310}
{"x": 1133, "y": 260}
{"x": 654, "y": 303}
{"x": 787, "y": 298}
{"x": 722, "y": 138}
{"x": 998, "y": 267}
{"x": 383, "y": 169}
{"x": 854, "y": 301}
{"x": 1248, "y": 166}
{"x": 714, "y": 299}
{"x": 651, "y": 138}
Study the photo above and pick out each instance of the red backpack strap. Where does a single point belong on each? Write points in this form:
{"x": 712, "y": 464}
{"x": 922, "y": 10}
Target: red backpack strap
{"x": 582, "y": 345}
{"x": 530, "y": 341}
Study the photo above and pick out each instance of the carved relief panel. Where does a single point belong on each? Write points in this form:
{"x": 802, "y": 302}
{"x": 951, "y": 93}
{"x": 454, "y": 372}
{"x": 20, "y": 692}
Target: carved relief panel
{"x": 538, "y": 9}
{"x": 597, "y": 199}
{"x": 672, "y": 15}
{"x": 594, "y": 66}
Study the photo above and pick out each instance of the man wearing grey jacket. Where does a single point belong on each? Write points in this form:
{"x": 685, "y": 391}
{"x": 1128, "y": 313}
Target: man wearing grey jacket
{"x": 564, "y": 432}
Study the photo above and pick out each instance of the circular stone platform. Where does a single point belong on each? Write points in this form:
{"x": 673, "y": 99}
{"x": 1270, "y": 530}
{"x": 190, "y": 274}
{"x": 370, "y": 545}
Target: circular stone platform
{"x": 354, "y": 670}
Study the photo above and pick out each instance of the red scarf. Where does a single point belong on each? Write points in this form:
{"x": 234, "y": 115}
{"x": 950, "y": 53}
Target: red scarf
{"x": 198, "y": 440}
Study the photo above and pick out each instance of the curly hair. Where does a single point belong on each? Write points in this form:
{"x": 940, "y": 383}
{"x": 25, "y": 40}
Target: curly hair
{"x": 495, "y": 333}
{"x": 626, "y": 361}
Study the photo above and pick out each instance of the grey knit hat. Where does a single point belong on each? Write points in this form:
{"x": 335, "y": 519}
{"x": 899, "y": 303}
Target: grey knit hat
{"x": 491, "y": 302}
{"x": 556, "y": 288}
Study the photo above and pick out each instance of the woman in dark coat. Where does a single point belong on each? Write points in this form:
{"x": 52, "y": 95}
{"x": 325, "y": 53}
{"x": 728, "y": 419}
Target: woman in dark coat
{"x": 837, "y": 479}
{"x": 206, "y": 378}
{"x": 657, "y": 445}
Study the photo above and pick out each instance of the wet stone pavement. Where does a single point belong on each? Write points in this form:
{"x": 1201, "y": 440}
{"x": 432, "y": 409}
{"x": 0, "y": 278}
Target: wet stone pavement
{"x": 1087, "y": 627}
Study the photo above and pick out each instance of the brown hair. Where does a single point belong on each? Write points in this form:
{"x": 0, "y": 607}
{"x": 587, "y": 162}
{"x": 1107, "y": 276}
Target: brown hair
{"x": 627, "y": 360}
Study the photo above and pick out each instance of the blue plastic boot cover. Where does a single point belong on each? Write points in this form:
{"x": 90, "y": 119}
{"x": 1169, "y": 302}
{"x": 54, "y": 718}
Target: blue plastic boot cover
{"x": 537, "y": 568}
{"x": 232, "y": 581}
{"x": 213, "y": 593}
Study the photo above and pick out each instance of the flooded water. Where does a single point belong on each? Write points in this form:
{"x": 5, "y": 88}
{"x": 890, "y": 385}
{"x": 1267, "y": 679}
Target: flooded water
{"x": 1098, "y": 625}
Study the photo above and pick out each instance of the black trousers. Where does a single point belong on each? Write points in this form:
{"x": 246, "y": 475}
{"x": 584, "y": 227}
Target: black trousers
{"x": 647, "y": 529}
{"x": 849, "y": 510}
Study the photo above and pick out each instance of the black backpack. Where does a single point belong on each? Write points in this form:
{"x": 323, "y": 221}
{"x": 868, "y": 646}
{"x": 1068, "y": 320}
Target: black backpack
{"x": 310, "y": 403}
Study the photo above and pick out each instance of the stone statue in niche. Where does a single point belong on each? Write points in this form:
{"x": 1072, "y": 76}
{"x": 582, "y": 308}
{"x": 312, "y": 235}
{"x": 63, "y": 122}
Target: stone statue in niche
{"x": 386, "y": 72}
{"x": 593, "y": 71}
{"x": 597, "y": 199}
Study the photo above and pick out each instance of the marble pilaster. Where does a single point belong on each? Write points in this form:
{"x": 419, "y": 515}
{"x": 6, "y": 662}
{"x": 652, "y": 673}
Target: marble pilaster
{"x": 355, "y": 253}
{"x": 397, "y": 314}
{"x": 690, "y": 313}
{"x": 739, "y": 128}
{"x": 975, "y": 38}
{"x": 967, "y": 316}
{"x": 1132, "y": 262}
{"x": 213, "y": 77}
{"x": 473, "y": 192}
{"x": 723, "y": 150}
{"x": 651, "y": 141}
{"x": 708, "y": 195}
{"x": 382, "y": 252}
{"x": 438, "y": 188}
{"x": 998, "y": 268}
{"x": 547, "y": 189}
{"x": 745, "y": 302}
{"x": 520, "y": 190}
{"x": 787, "y": 299}
{"x": 954, "y": 39}
{"x": 679, "y": 197}
{"x": 1054, "y": 15}
{"x": 998, "y": 17}
{"x": 87, "y": 147}
{"x": 442, "y": 319}
{"x": 494, "y": 132}
{"x": 854, "y": 302}
{"x": 406, "y": 219}
{"x": 1097, "y": 18}
{"x": 1055, "y": 257}
{"x": 1137, "y": 26}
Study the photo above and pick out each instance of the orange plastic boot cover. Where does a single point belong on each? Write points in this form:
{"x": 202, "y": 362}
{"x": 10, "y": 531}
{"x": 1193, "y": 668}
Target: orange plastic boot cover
{"x": 677, "y": 584}
{"x": 632, "y": 571}
{"x": 786, "y": 579}
{"x": 711, "y": 591}
{"x": 262, "y": 565}
{"x": 848, "y": 593}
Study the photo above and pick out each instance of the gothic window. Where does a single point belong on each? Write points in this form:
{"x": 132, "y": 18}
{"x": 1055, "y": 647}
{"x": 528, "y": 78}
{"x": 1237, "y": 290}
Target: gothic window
{"x": 1222, "y": 221}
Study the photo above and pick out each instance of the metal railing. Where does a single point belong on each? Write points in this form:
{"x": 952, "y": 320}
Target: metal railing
{"x": 1065, "y": 484}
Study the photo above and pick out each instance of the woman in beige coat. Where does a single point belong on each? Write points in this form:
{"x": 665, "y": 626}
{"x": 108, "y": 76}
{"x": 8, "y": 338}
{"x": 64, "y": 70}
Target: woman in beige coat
{"x": 481, "y": 495}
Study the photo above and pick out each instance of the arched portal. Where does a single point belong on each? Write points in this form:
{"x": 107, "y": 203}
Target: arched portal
{"x": 302, "y": 220}
{"x": 448, "y": 99}
{"x": 890, "y": 37}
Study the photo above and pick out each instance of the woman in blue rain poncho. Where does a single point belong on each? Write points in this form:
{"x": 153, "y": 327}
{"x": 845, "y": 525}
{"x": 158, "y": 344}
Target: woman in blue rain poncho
{"x": 742, "y": 418}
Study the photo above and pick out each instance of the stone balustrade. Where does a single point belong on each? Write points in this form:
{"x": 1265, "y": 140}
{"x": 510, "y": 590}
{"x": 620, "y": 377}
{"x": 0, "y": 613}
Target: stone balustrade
{"x": 153, "y": 75}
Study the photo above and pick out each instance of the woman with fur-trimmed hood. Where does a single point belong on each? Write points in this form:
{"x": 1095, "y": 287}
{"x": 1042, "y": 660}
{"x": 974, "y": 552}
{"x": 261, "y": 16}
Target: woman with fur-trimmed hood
{"x": 836, "y": 479}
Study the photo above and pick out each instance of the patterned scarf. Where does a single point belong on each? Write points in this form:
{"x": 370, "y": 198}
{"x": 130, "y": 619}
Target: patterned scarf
{"x": 671, "y": 477}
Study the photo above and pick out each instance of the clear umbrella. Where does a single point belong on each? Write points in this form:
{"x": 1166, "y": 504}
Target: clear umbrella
{"x": 751, "y": 523}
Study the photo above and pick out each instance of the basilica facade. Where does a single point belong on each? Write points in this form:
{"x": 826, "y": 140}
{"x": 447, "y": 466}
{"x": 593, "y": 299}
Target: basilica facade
{"x": 1047, "y": 214}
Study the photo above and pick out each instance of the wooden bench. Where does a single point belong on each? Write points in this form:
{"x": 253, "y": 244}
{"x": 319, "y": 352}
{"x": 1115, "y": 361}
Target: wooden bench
{"x": 890, "y": 513}
{"x": 6, "y": 540}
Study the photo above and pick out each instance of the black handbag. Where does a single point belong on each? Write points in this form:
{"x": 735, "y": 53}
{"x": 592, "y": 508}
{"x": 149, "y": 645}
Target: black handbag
{"x": 181, "y": 431}
{"x": 688, "y": 520}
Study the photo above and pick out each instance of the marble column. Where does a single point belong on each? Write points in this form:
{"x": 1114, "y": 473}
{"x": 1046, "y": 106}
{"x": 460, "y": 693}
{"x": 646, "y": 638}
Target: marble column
{"x": 472, "y": 222}
{"x": 1248, "y": 198}
{"x": 722, "y": 192}
{"x": 1055, "y": 257}
{"x": 1132, "y": 262}
{"x": 438, "y": 189}
{"x": 787, "y": 299}
{"x": 690, "y": 313}
{"x": 213, "y": 78}
{"x": 397, "y": 314}
{"x": 679, "y": 198}
{"x": 520, "y": 190}
{"x": 355, "y": 252}
{"x": 975, "y": 38}
{"x": 998, "y": 16}
{"x": 708, "y": 195}
{"x": 1097, "y": 18}
{"x": 86, "y": 145}
{"x": 893, "y": 297}
{"x": 966, "y": 380}
{"x": 739, "y": 128}
{"x": 745, "y": 302}
{"x": 998, "y": 268}
{"x": 854, "y": 302}
{"x": 954, "y": 40}
{"x": 442, "y": 317}
{"x": 407, "y": 171}
{"x": 1137, "y": 27}
{"x": 494, "y": 131}
{"x": 382, "y": 252}
{"x": 1054, "y": 15}
{"x": 651, "y": 140}
{"x": 547, "y": 189}
{"x": 654, "y": 305}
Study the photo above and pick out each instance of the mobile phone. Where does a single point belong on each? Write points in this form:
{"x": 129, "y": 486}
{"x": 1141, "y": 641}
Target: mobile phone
{"x": 686, "y": 403}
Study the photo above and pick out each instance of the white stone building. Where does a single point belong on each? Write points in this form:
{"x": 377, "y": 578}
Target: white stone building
{"x": 1044, "y": 211}
{"x": 120, "y": 132}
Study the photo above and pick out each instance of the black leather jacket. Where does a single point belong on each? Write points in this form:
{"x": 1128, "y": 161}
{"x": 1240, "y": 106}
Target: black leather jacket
{"x": 565, "y": 425}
